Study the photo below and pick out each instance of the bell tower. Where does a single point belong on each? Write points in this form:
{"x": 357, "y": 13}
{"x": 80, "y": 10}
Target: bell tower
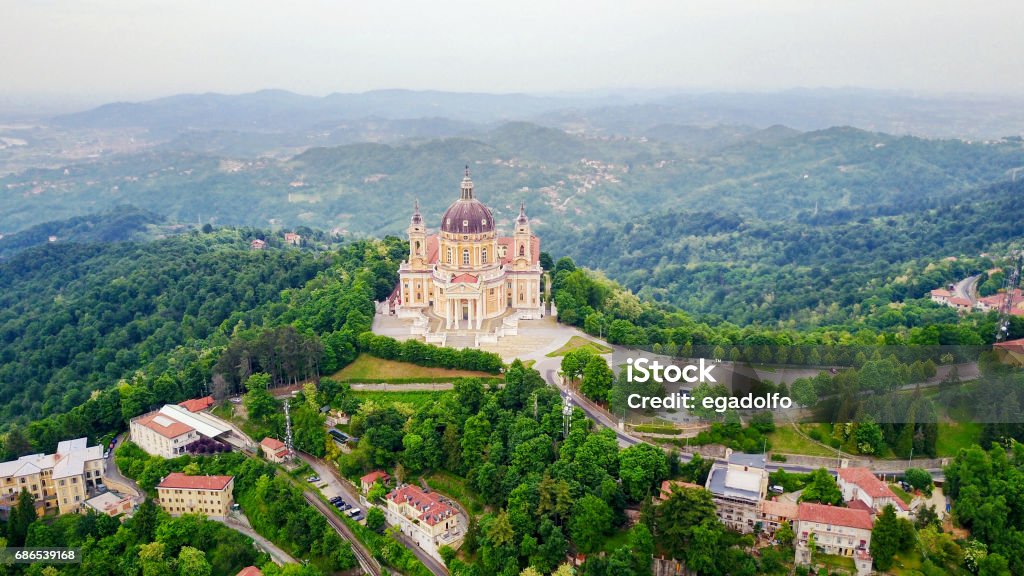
{"x": 417, "y": 239}
{"x": 521, "y": 237}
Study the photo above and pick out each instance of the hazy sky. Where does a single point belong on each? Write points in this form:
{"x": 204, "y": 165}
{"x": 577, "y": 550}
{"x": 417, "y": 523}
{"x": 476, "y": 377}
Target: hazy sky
{"x": 143, "y": 48}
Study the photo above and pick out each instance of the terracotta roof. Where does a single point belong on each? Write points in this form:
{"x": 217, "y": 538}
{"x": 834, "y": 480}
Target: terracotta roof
{"x": 958, "y": 301}
{"x": 197, "y": 404}
{"x": 272, "y": 443}
{"x": 869, "y": 484}
{"x": 250, "y": 571}
{"x": 430, "y": 507}
{"x": 374, "y": 476}
{"x": 834, "y": 515}
{"x": 1011, "y": 345}
{"x": 941, "y": 292}
{"x": 164, "y": 425}
{"x": 467, "y": 278}
{"x": 274, "y": 446}
{"x": 780, "y": 509}
{"x": 179, "y": 480}
{"x": 667, "y": 485}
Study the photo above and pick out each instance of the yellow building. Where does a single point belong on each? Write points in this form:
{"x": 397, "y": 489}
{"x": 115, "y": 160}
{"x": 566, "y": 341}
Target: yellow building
{"x": 466, "y": 273}
{"x": 182, "y": 494}
{"x": 60, "y": 481}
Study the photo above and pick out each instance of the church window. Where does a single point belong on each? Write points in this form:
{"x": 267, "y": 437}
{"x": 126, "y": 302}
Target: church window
{"x": 417, "y": 245}
{"x": 449, "y": 222}
{"x": 484, "y": 221}
{"x": 465, "y": 257}
{"x": 449, "y": 254}
{"x": 483, "y": 256}
{"x": 465, "y": 223}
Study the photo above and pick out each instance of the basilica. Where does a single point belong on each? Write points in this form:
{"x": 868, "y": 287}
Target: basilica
{"x": 466, "y": 274}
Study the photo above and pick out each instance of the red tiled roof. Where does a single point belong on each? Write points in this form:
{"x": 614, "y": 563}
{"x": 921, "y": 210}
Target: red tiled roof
{"x": 374, "y": 476}
{"x": 274, "y": 446}
{"x": 1011, "y": 345}
{"x": 667, "y": 485}
{"x": 780, "y": 509}
{"x": 172, "y": 430}
{"x": 870, "y": 484}
{"x": 197, "y": 404}
{"x": 834, "y": 515}
{"x": 941, "y": 292}
{"x": 428, "y": 505}
{"x": 958, "y": 301}
{"x": 179, "y": 480}
{"x": 467, "y": 278}
{"x": 250, "y": 571}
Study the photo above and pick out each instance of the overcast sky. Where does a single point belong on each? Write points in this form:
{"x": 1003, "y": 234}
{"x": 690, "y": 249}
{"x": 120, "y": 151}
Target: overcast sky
{"x": 106, "y": 49}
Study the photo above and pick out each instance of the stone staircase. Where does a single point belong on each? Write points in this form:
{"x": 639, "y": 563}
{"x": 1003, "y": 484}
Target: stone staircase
{"x": 461, "y": 339}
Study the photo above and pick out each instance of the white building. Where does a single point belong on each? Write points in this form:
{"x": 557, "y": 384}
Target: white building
{"x": 737, "y": 488}
{"x": 860, "y": 484}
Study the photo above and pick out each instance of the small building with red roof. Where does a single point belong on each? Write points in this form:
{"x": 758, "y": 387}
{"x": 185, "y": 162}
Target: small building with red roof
{"x": 197, "y": 404}
{"x": 837, "y": 531}
{"x": 274, "y": 450}
{"x": 367, "y": 481}
{"x": 860, "y": 484}
{"x": 183, "y": 494}
{"x": 250, "y": 571}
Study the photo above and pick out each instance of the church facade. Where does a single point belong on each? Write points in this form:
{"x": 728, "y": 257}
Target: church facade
{"x": 466, "y": 273}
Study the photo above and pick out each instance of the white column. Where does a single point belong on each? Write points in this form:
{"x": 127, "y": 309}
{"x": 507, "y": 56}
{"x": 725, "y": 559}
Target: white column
{"x": 471, "y": 321}
{"x": 447, "y": 313}
{"x": 480, "y": 313}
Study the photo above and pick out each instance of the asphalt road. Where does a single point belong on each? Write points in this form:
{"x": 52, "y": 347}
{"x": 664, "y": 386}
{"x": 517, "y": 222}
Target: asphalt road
{"x": 967, "y": 288}
{"x": 276, "y": 554}
{"x": 366, "y": 560}
{"x": 625, "y": 440}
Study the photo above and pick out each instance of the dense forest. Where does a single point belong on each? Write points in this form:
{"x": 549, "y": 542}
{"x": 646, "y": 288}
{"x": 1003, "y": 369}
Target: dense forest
{"x": 835, "y": 267}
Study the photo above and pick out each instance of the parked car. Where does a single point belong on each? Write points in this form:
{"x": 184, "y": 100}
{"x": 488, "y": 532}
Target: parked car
{"x": 358, "y": 517}
{"x": 313, "y": 479}
{"x": 776, "y": 489}
{"x": 353, "y": 512}
{"x": 335, "y": 500}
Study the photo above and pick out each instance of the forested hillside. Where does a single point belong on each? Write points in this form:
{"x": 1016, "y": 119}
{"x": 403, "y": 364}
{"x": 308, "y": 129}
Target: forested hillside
{"x": 830, "y": 267}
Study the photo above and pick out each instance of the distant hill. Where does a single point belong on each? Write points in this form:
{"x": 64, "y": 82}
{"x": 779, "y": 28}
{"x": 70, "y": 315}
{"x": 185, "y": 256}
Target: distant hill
{"x": 567, "y": 180}
{"x": 118, "y": 225}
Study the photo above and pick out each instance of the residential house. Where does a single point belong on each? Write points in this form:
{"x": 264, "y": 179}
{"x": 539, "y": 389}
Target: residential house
{"x": 861, "y": 484}
{"x": 182, "y": 494}
{"x": 837, "y": 531}
{"x": 737, "y": 488}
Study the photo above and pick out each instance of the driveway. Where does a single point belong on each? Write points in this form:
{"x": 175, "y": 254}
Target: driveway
{"x": 279, "y": 556}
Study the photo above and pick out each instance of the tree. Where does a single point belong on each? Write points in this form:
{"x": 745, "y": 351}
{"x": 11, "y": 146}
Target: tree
{"x": 591, "y": 520}
{"x": 919, "y": 479}
{"x": 375, "y": 519}
{"x": 192, "y": 562}
{"x": 803, "y": 392}
{"x": 785, "y": 534}
{"x": 887, "y": 538}
{"x": 641, "y": 468}
{"x": 597, "y": 379}
{"x": 677, "y": 517}
{"x": 21, "y": 517}
{"x": 869, "y": 437}
{"x": 822, "y": 488}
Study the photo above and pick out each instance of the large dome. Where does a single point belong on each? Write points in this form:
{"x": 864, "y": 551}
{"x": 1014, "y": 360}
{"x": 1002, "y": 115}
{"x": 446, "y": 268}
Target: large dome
{"x": 467, "y": 215}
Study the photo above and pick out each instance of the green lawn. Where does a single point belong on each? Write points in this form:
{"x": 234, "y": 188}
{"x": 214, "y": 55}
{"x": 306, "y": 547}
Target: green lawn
{"x": 455, "y": 487}
{"x": 956, "y": 435}
{"x": 656, "y": 429}
{"x": 577, "y": 342}
{"x": 786, "y": 440}
{"x": 897, "y": 490}
{"x": 368, "y": 368}
{"x": 833, "y": 562}
{"x": 616, "y": 539}
{"x": 414, "y": 399}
